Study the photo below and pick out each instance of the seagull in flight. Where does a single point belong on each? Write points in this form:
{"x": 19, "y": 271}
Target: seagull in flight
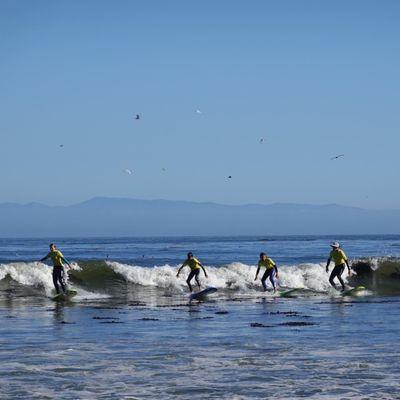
{"x": 128, "y": 171}
{"x": 137, "y": 116}
{"x": 336, "y": 157}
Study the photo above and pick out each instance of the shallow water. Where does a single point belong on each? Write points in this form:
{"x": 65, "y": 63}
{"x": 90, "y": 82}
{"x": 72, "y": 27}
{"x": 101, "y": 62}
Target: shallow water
{"x": 255, "y": 348}
{"x": 131, "y": 333}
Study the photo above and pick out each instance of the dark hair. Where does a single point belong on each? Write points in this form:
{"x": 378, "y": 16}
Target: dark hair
{"x": 190, "y": 254}
{"x": 262, "y": 254}
{"x": 51, "y": 245}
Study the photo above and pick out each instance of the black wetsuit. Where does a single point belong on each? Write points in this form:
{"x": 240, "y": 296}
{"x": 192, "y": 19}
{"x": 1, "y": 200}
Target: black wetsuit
{"x": 337, "y": 273}
{"x": 269, "y": 273}
{"x": 58, "y": 277}
{"x": 193, "y": 273}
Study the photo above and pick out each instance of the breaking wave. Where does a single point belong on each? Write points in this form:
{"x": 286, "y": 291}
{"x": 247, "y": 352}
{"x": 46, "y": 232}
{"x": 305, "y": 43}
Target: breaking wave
{"x": 99, "y": 278}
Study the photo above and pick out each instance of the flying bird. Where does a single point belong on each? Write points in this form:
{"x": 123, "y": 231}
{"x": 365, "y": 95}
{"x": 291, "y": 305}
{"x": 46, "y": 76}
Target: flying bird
{"x": 137, "y": 116}
{"x": 338, "y": 156}
{"x": 261, "y": 140}
{"x": 128, "y": 171}
{"x": 61, "y": 145}
{"x": 230, "y": 177}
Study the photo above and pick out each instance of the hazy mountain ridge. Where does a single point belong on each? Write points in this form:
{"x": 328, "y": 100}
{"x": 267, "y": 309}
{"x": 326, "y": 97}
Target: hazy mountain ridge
{"x": 102, "y": 216}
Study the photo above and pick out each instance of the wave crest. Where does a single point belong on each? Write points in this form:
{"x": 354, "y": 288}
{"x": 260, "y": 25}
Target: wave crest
{"x": 381, "y": 275}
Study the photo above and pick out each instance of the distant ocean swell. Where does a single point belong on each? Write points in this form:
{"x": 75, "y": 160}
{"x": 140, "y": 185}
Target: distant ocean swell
{"x": 97, "y": 278}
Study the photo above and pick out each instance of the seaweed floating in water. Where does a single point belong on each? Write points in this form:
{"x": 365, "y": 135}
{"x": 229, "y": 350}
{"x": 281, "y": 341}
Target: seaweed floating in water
{"x": 258, "y": 325}
{"x": 286, "y": 313}
{"x": 297, "y": 323}
{"x": 148, "y": 319}
{"x": 111, "y": 322}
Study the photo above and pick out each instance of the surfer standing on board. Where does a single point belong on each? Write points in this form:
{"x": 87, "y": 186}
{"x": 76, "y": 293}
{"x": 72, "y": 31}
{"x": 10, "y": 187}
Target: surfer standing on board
{"x": 340, "y": 259}
{"x": 58, "y": 268}
{"x": 194, "y": 265}
{"x": 271, "y": 271}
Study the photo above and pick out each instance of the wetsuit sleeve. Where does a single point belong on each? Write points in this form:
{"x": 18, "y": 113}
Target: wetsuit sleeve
{"x": 274, "y": 266}
{"x": 46, "y": 257}
{"x": 65, "y": 260}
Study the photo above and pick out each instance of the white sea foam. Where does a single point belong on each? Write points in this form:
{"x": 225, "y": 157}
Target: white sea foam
{"x": 233, "y": 276}
{"x": 29, "y": 274}
{"x": 39, "y": 275}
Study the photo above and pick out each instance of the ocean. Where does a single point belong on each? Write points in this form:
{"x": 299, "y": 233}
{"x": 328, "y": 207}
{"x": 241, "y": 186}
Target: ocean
{"x": 132, "y": 333}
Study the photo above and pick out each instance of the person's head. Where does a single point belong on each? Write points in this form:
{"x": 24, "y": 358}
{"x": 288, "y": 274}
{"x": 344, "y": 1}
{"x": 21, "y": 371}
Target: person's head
{"x": 52, "y": 246}
{"x": 263, "y": 256}
{"x": 335, "y": 245}
{"x": 190, "y": 255}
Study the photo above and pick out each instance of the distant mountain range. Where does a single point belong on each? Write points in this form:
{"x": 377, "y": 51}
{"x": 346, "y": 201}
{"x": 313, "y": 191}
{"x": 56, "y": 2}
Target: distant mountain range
{"x": 131, "y": 217}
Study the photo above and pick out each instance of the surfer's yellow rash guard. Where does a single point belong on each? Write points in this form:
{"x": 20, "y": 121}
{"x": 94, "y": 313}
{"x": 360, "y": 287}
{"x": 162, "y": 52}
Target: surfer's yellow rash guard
{"x": 338, "y": 257}
{"x": 268, "y": 263}
{"x": 57, "y": 258}
{"x": 193, "y": 263}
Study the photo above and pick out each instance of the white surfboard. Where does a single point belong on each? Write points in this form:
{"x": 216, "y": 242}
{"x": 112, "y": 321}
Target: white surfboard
{"x": 203, "y": 293}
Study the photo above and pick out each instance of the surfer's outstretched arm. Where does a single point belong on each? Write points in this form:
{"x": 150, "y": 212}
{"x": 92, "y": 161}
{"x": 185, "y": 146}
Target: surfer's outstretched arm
{"x": 64, "y": 260}
{"x": 348, "y": 266}
{"x": 205, "y": 273}
{"x": 45, "y": 257}
{"x": 327, "y": 264}
{"x": 258, "y": 270}
{"x": 180, "y": 269}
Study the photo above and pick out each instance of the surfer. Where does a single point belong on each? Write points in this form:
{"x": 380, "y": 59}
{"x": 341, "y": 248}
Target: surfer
{"x": 58, "y": 268}
{"x": 271, "y": 271}
{"x": 340, "y": 259}
{"x": 194, "y": 265}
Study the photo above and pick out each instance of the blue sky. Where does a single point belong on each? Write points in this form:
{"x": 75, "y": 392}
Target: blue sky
{"x": 313, "y": 78}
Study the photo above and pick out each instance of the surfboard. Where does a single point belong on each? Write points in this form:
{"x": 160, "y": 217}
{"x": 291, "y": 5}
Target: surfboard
{"x": 291, "y": 292}
{"x": 353, "y": 291}
{"x": 203, "y": 293}
{"x": 65, "y": 296}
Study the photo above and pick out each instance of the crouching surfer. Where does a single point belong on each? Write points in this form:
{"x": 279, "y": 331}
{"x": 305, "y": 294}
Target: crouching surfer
{"x": 58, "y": 267}
{"x": 340, "y": 259}
{"x": 195, "y": 266}
{"x": 271, "y": 271}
